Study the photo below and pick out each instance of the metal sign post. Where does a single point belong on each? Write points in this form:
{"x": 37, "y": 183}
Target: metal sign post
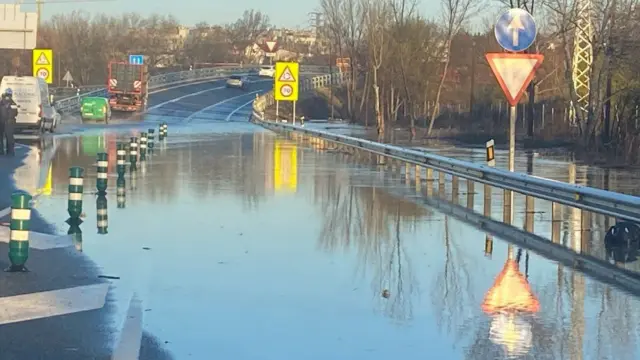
{"x": 515, "y": 31}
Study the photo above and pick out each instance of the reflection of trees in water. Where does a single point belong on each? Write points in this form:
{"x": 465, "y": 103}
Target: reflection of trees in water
{"x": 373, "y": 221}
{"x": 219, "y": 165}
{"x": 452, "y": 288}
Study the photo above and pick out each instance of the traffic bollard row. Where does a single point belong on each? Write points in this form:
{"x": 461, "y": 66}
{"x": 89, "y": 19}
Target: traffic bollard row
{"x": 76, "y": 188}
{"x": 19, "y": 231}
{"x": 103, "y": 166}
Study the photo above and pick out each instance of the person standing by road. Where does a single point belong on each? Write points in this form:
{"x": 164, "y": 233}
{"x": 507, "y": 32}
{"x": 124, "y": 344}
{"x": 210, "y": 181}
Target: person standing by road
{"x": 8, "y": 114}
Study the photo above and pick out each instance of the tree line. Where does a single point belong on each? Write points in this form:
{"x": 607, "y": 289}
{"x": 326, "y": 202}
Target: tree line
{"x": 84, "y": 44}
{"x": 417, "y": 71}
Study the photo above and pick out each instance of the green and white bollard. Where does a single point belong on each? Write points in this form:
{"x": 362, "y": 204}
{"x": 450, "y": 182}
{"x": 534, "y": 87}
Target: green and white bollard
{"x": 76, "y": 234}
{"x": 76, "y": 188}
{"x": 143, "y": 147}
{"x": 133, "y": 153}
{"x": 161, "y": 132}
{"x": 121, "y": 188}
{"x": 121, "y": 160}
{"x": 103, "y": 168}
{"x": 102, "y": 215}
{"x": 19, "y": 234}
{"x": 165, "y": 129}
{"x": 150, "y": 140}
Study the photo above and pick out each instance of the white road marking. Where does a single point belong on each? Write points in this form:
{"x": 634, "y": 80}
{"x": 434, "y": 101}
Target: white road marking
{"x": 128, "y": 347}
{"x": 218, "y": 104}
{"x": 46, "y": 304}
{"x": 183, "y": 97}
{"x": 38, "y": 240}
{"x": 238, "y": 109}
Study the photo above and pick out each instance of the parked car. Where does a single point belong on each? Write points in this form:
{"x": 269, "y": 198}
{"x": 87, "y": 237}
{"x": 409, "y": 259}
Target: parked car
{"x": 237, "y": 81}
{"x": 95, "y": 108}
{"x": 31, "y": 94}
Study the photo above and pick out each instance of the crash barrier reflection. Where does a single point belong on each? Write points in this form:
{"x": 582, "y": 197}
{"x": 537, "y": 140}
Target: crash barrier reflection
{"x": 19, "y": 231}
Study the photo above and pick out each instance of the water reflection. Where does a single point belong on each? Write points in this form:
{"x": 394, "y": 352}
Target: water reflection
{"x": 75, "y": 232}
{"x": 102, "y": 216}
{"x": 420, "y": 268}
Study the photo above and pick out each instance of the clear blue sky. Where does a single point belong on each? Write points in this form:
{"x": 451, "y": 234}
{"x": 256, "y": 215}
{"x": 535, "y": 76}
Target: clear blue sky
{"x": 286, "y": 13}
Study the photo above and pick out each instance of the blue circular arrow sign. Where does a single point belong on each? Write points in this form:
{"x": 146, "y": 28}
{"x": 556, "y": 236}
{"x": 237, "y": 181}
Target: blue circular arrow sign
{"x": 516, "y": 30}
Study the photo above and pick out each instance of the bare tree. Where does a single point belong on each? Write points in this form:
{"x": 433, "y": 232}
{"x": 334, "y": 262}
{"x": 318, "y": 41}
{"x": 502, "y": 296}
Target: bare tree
{"x": 455, "y": 14}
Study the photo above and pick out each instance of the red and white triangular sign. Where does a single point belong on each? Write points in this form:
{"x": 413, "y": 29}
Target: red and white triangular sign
{"x": 514, "y": 72}
{"x": 287, "y": 76}
{"x": 271, "y": 45}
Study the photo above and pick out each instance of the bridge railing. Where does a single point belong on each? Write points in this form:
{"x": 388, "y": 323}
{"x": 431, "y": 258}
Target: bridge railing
{"x": 156, "y": 82}
{"x": 72, "y": 103}
{"x": 586, "y": 198}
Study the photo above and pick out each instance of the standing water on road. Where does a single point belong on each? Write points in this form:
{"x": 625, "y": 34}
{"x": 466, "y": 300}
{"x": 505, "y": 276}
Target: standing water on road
{"x": 245, "y": 245}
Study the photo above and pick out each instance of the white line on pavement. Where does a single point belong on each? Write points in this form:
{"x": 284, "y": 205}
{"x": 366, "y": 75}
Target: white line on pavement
{"x": 238, "y": 109}
{"x": 219, "y": 103}
{"x": 38, "y": 240}
{"x": 128, "y": 347}
{"x": 183, "y": 97}
{"x": 52, "y": 303}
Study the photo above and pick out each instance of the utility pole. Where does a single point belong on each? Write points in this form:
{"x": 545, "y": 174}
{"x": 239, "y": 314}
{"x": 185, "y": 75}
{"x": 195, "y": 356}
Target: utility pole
{"x": 473, "y": 78}
{"x": 321, "y": 33}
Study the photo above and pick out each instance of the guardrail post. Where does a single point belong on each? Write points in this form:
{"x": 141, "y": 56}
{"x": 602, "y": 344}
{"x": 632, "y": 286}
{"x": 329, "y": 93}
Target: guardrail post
{"x": 455, "y": 189}
{"x": 407, "y": 174}
{"x": 418, "y": 173}
{"x": 441, "y": 179}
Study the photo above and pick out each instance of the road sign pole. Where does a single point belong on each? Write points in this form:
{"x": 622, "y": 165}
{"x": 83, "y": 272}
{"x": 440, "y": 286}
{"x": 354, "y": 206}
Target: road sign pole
{"x": 512, "y": 138}
{"x": 277, "y": 109}
{"x": 294, "y": 112}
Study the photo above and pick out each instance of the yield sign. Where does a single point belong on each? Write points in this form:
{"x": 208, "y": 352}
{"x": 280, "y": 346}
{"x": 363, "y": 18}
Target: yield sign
{"x": 271, "y": 45}
{"x": 514, "y": 72}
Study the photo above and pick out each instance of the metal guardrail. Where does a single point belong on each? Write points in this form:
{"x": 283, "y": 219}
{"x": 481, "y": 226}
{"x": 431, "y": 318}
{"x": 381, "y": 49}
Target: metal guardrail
{"x": 159, "y": 81}
{"x": 586, "y": 198}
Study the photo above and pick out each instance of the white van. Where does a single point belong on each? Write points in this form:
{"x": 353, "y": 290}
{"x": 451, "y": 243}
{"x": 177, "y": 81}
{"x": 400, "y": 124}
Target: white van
{"x": 31, "y": 93}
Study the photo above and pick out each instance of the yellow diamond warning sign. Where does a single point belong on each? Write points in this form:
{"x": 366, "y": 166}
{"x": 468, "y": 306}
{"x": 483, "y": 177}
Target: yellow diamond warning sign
{"x": 287, "y": 76}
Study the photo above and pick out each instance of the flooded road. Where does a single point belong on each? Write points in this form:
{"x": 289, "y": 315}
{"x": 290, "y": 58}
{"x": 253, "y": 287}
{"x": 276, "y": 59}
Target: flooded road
{"x": 232, "y": 235}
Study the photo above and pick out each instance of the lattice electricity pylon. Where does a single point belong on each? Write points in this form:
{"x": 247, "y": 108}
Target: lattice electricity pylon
{"x": 582, "y": 55}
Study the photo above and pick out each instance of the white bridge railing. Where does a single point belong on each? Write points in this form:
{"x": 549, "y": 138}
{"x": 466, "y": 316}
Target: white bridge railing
{"x": 586, "y": 198}
{"x": 72, "y": 104}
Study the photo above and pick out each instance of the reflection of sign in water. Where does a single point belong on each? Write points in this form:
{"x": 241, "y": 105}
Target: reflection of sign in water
{"x": 48, "y": 184}
{"x": 512, "y": 332}
{"x": 510, "y": 295}
{"x": 510, "y": 292}
{"x": 92, "y": 144}
{"x": 285, "y": 166}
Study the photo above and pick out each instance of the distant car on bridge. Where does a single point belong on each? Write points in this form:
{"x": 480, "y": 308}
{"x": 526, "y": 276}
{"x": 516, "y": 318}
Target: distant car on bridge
{"x": 237, "y": 81}
{"x": 267, "y": 71}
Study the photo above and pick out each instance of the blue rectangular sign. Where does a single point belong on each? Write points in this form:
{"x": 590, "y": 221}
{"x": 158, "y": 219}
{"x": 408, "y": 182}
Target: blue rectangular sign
{"x": 136, "y": 59}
